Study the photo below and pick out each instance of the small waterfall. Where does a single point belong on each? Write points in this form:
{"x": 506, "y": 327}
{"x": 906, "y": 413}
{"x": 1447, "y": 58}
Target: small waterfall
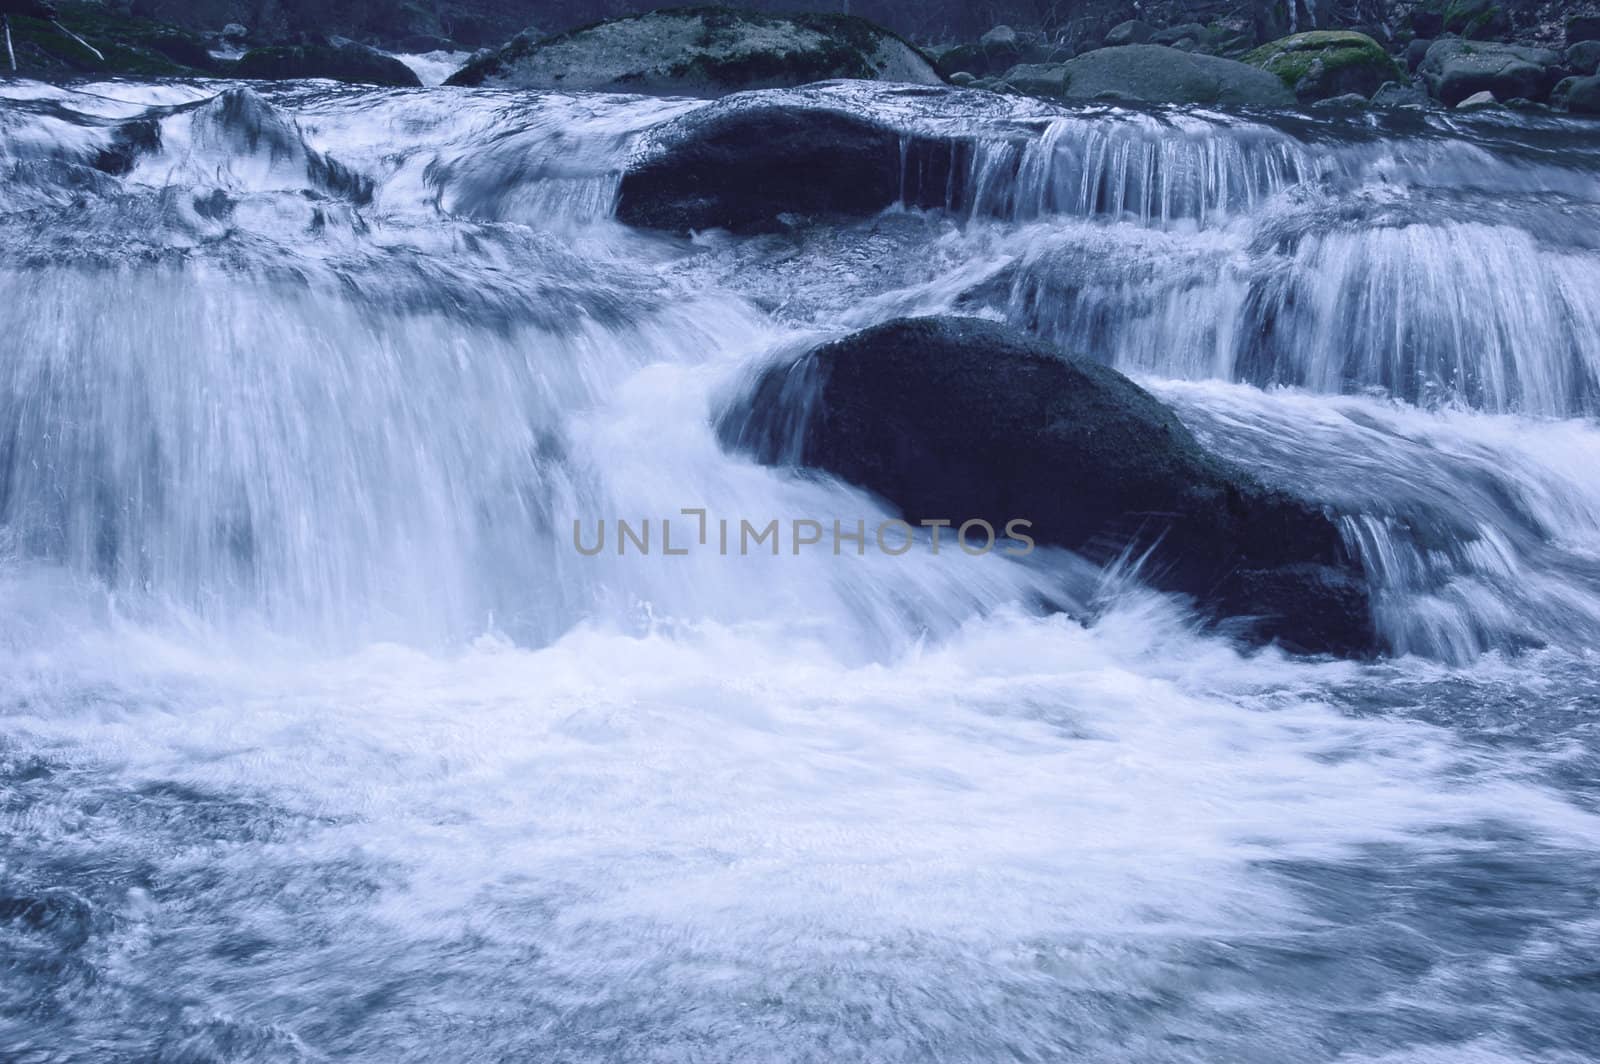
{"x": 320, "y": 740}
{"x": 1146, "y": 169}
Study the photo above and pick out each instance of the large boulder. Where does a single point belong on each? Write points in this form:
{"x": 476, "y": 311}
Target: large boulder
{"x": 749, "y": 164}
{"x": 336, "y": 60}
{"x": 1584, "y": 58}
{"x": 1455, "y": 69}
{"x": 1581, "y": 96}
{"x": 701, "y": 52}
{"x": 1155, "y": 74}
{"x": 1322, "y": 64}
{"x": 962, "y": 419}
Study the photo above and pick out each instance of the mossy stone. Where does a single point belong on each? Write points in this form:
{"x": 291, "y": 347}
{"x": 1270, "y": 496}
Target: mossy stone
{"x": 1322, "y": 64}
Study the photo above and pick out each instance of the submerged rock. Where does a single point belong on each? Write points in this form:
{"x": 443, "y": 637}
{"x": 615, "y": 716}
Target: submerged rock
{"x": 748, "y": 164}
{"x": 701, "y": 52}
{"x": 344, "y": 61}
{"x": 1326, "y": 63}
{"x": 960, "y": 418}
{"x": 1155, "y": 74}
{"x": 1455, "y": 69}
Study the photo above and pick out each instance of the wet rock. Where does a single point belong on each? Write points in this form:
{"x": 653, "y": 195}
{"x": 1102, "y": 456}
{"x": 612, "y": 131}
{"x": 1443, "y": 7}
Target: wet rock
{"x": 1578, "y": 95}
{"x": 344, "y": 61}
{"x": 1038, "y": 79}
{"x": 1001, "y": 37}
{"x": 702, "y": 52}
{"x": 962, "y": 78}
{"x": 1416, "y": 51}
{"x": 1131, "y": 32}
{"x": 1395, "y": 94}
{"x": 1455, "y": 69}
{"x": 1186, "y": 36}
{"x": 960, "y": 419}
{"x": 1584, "y": 58}
{"x": 1477, "y": 101}
{"x": 749, "y": 165}
{"x": 1156, "y": 74}
{"x": 129, "y": 141}
{"x": 234, "y": 33}
{"x": 1346, "y": 102}
{"x": 982, "y": 59}
{"x": 1326, "y": 63}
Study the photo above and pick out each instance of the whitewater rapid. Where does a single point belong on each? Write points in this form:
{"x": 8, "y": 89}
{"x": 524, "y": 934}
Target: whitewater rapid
{"x": 318, "y": 739}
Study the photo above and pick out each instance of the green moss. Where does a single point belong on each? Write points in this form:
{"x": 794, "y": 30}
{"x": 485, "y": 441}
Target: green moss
{"x": 1347, "y": 60}
{"x": 134, "y": 46}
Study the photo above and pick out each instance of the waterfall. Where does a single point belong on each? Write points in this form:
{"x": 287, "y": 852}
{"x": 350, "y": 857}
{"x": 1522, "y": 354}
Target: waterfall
{"x": 320, "y": 739}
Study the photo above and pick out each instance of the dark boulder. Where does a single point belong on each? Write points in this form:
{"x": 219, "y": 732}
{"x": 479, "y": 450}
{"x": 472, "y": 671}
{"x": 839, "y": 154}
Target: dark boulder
{"x": 1455, "y": 69}
{"x": 345, "y": 61}
{"x": 1583, "y": 28}
{"x": 1584, "y": 58}
{"x": 750, "y": 165}
{"x": 1581, "y": 96}
{"x": 960, "y": 419}
{"x": 1416, "y": 51}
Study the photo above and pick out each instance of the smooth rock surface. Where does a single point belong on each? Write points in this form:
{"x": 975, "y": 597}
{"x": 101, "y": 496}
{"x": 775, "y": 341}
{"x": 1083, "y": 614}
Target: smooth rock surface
{"x": 961, "y": 418}
{"x": 1155, "y": 74}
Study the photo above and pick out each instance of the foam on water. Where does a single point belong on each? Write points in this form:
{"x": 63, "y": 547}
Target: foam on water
{"x": 319, "y": 740}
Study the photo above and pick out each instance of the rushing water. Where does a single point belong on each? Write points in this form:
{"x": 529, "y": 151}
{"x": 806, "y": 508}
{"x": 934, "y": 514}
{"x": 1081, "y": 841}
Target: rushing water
{"x": 319, "y": 741}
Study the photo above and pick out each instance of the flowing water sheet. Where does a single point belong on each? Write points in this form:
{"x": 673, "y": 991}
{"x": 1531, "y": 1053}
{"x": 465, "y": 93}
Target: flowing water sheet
{"x": 320, "y": 741}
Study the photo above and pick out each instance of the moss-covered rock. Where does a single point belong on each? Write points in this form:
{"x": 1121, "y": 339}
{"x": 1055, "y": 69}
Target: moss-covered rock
{"x": 701, "y": 52}
{"x": 135, "y": 47}
{"x": 348, "y": 62}
{"x": 1473, "y": 19}
{"x": 1155, "y": 74}
{"x": 1322, "y": 64}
